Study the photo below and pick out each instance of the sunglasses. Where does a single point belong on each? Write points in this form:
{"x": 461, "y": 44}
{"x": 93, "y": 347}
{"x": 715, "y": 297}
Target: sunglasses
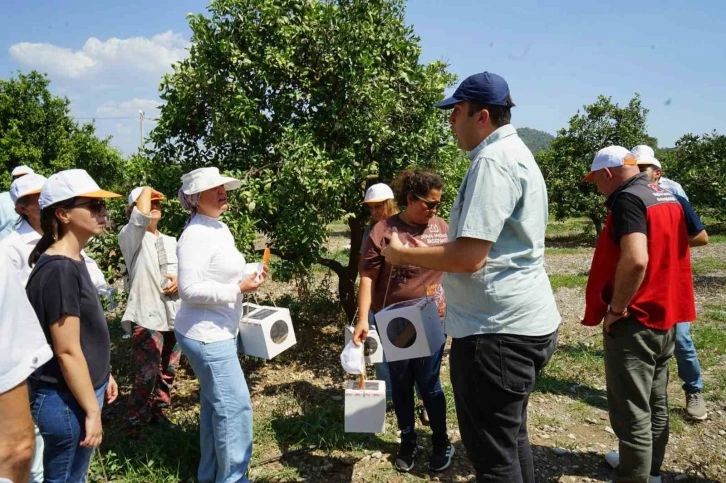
{"x": 431, "y": 205}
{"x": 95, "y": 206}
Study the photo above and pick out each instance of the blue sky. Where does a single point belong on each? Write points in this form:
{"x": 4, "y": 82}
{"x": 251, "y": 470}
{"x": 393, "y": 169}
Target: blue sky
{"x": 108, "y": 57}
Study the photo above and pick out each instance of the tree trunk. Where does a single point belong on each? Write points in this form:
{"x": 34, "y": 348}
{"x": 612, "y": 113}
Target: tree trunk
{"x": 348, "y": 274}
{"x": 597, "y": 222}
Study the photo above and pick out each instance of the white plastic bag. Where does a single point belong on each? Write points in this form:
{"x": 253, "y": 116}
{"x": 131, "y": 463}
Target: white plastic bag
{"x": 352, "y": 358}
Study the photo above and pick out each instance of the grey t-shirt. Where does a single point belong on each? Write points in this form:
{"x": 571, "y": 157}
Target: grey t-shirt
{"x": 502, "y": 199}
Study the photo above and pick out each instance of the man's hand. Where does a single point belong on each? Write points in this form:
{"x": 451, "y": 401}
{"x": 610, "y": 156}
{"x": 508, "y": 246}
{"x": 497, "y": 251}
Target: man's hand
{"x": 610, "y": 319}
{"x": 172, "y": 288}
{"x": 111, "y": 390}
{"x": 394, "y": 251}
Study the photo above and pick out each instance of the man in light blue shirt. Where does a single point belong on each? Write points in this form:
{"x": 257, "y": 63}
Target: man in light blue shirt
{"x": 501, "y": 311}
{"x": 9, "y": 219}
{"x": 689, "y": 368}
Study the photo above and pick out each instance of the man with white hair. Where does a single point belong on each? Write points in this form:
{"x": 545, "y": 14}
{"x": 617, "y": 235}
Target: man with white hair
{"x": 8, "y": 218}
{"x": 689, "y": 369}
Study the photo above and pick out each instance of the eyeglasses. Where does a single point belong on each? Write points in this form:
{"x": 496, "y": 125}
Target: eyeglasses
{"x": 431, "y": 205}
{"x": 96, "y": 206}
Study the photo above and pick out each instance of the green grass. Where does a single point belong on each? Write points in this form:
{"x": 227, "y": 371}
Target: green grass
{"x": 568, "y": 281}
{"x": 567, "y": 251}
{"x": 716, "y": 238}
{"x": 708, "y": 265}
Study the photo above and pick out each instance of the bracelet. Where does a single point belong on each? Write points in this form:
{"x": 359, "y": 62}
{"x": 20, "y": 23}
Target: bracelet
{"x": 624, "y": 313}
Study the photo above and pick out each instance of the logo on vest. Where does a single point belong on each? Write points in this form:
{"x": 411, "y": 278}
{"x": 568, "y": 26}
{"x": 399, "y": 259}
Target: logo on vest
{"x": 434, "y": 228}
{"x": 656, "y": 187}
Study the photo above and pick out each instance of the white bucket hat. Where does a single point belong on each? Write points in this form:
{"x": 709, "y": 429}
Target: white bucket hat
{"x": 203, "y": 179}
{"x": 645, "y": 155}
{"x": 21, "y": 170}
{"x": 26, "y": 185}
{"x": 71, "y": 183}
{"x": 377, "y": 193}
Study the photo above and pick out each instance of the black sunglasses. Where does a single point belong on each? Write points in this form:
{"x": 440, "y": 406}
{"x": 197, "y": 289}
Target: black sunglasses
{"x": 96, "y": 206}
{"x": 431, "y": 205}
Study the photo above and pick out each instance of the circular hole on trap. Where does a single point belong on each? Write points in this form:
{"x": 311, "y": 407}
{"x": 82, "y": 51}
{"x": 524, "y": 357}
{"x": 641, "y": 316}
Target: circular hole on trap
{"x": 370, "y": 347}
{"x": 401, "y": 332}
{"x": 279, "y": 332}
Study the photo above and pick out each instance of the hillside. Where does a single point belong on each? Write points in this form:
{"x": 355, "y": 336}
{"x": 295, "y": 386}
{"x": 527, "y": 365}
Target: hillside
{"x": 534, "y": 139}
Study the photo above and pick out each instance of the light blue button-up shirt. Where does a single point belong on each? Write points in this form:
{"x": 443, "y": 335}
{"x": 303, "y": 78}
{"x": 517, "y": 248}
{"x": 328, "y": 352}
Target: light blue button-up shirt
{"x": 672, "y": 186}
{"x": 9, "y": 219}
{"x": 503, "y": 199}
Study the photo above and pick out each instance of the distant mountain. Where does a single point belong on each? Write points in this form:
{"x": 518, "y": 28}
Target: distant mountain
{"x": 534, "y": 139}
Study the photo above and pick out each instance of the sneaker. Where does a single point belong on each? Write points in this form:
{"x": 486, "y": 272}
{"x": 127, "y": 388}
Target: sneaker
{"x": 695, "y": 407}
{"x": 613, "y": 459}
{"x": 404, "y": 458}
{"x": 441, "y": 457}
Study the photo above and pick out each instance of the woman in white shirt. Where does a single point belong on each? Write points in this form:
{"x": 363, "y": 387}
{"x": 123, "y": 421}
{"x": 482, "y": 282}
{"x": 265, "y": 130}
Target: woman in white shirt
{"x": 211, "y": 284}
{"x": 24, "y": 192}
{"x": 150, "y": 258}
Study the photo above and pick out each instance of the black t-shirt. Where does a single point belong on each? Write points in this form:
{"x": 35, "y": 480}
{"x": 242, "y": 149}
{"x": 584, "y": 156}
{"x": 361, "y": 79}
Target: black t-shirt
{"x": 629, "y": 216}
{"x": 61, "y": 286}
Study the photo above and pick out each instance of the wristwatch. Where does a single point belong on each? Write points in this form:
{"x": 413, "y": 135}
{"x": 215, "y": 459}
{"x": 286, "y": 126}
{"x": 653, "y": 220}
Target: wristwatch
{"x": 622, "y": 314}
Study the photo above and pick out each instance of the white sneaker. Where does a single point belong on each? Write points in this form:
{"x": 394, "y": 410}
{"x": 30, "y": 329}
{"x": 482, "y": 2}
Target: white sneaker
{"x": 613, "y": 459}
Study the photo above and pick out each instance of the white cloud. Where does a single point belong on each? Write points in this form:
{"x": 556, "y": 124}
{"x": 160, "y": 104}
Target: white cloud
{"x": 129, "y": 108}
{"x": 50, "y": 58}
{"x": 153, "y": 55}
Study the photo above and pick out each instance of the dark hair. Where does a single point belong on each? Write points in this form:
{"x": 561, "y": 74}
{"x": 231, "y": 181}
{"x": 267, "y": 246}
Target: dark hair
{"x": 414, "y": 182}
{"x": 500, "y": 115}
{"x": 51, "y": 227}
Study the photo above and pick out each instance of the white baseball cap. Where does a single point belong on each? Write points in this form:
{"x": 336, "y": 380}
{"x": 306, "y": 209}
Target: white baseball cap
{"x": 22, "y": 170}
{"x": 610, "y": 157}
{"x": 136, "y": 192}
{"x": 645, "y": 155}
{"x": 26, "y": 185}
{"x": 377, "y": 193}
{"x": 68, "y": 184}
{"x": 203, "y": 179}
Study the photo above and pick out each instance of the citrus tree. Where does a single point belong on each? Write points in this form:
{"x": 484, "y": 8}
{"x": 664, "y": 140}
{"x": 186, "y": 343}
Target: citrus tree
{"x": 568, "y": 157}
{"x": 699, "y": 164}
{"x": 308, "y": 102}
{"x": 37, "y": 130}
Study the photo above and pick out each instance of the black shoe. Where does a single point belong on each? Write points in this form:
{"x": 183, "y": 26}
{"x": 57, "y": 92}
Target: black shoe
{"x": 441, "y": 456}
{"x": 406, "y": 454}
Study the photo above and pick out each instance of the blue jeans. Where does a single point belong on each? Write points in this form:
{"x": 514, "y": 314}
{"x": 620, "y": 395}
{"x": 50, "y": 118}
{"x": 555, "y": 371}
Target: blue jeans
{"x": 689, "y": 370}
{"x": 225, "y": 421}
{"x": 62, "y": 424}
{"x": 423, "y": 372}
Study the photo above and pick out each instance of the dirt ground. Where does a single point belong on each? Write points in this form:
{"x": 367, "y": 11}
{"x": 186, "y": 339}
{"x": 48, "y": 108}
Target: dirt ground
{"x": 298, "y": 403}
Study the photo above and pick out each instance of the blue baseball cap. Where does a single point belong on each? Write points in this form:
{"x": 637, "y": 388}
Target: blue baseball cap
{"x": 485, "y": 88}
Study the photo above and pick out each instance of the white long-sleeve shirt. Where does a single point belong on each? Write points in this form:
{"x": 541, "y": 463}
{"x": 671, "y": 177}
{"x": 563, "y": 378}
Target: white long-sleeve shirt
{"x": 147, "y": 307}
{"x": 22, "y": 345}
{"x": 210, "y": 270}
{"x": 19, "y": 243}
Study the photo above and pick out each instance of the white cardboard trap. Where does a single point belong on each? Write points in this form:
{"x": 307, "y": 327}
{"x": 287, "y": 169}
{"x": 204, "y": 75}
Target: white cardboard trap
{"x": 410, "y": 329}
{"x": 372, "y": 348}
{"x": 265, "y": 331}
{"x": 365, "y": 409}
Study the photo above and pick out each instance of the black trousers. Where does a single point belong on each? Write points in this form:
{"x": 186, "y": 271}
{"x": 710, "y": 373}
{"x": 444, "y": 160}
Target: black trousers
{"x": 492, "y": 377}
